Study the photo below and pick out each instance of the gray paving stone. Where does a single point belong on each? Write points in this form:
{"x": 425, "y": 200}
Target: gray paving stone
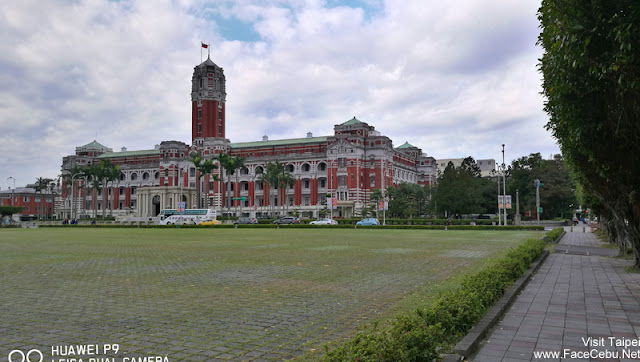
{"x": 572, "y": 296}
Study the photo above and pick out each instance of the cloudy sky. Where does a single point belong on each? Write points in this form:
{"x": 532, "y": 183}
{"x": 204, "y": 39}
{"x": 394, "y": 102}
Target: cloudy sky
{"x": 456, "y": 78}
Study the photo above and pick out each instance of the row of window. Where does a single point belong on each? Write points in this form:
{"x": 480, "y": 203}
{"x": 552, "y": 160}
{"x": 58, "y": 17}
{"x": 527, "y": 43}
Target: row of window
{"x": 134, "y": 176}
{"x": 29, "y": 199}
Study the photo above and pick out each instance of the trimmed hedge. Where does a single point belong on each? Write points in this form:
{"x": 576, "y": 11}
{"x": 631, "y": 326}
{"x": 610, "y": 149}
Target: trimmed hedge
{"x": 555, "y": 234}
{"x": 308, "y": 226}
{"x": 422, "y": 334}
{"x": 10, "y": 226}
{"x": 421, "y": 221}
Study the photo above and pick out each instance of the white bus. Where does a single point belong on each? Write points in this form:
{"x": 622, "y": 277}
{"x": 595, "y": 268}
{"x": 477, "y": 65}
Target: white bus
{"x": 188, "y": 216}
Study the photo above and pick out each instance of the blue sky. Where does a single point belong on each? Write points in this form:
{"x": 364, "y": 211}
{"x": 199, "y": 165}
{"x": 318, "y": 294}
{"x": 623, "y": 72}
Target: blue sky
{"x": 454, "y": 78}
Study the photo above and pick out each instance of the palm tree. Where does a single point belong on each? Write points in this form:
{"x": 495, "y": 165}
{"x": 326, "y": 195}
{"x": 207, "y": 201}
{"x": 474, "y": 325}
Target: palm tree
{"x": 230, "y": 165}
{"x": 240, "y": 165}
{"x": 286, "y": 180}
{"x": 42, "y": 184}
{"x": 271, "y": 177}
{"x": 106, "y": 173}
{"x": 112, "y": 174}
{"x": 95, "y": 174}
{"x": 204, "y": 167}
{"x": 226, "y": 165}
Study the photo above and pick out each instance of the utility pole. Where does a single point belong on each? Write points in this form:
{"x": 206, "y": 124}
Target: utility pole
{"x": 537, "y": 184}
{"x": 517, "y": 216}
{"x": 13, "y": 189}
{"x": 499, "y": 211}
{"x": 504, "y": 187}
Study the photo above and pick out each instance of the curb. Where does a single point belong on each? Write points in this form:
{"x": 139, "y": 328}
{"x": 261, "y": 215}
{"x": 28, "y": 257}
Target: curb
{"x": 469, "y": 344}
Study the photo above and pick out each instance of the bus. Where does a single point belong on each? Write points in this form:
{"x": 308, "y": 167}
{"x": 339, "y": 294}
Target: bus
{"x": 188, "y": 216}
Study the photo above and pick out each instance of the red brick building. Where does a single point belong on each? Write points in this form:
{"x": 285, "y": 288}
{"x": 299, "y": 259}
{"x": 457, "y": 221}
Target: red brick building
{"x": 34, "y": 204}
{"x": 347, "y": 165}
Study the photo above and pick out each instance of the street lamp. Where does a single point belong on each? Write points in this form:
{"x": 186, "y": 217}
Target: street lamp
{"x": 504, "y": 187}
{"x": 13, "y": 189}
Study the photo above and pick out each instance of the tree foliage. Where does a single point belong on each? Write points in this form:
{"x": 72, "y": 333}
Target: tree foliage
{"x": 557, "y": 196}
{"x": 591, "y": 70}
{"x": 461, "y": 190}
{"x": 407, "y": 200}
{"x": 204, "y": 167}
{"x": 9, "y": 210}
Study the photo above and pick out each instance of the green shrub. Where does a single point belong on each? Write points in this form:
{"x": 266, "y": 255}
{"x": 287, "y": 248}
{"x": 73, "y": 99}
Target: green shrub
{"x": 8, "y": 226}
{"x": 308, "y": 226}
{"x": 422, "y": 334}
{"x": 555, "y": 234}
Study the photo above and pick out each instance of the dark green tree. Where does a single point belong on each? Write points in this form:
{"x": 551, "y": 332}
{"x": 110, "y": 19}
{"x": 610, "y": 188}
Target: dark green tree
{"x": 469, "y": 165}
{"x": 204, "y": 167}
{"x": 461, "y": 191}
{"x": 9, "y": 211}
{"x": 42, "y": 184}
{"x": 557, "y": 196}
{"x": 590, "y": 68}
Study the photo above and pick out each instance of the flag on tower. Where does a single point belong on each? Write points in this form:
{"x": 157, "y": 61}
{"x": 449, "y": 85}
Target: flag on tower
{"x": 205, "y": 45}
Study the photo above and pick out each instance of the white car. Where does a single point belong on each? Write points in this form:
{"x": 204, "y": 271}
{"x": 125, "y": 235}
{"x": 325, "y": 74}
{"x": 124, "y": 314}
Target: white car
{"x": 324, "y": 222}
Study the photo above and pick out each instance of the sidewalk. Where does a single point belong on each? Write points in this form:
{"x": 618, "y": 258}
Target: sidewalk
{"x": 577, "y": 293}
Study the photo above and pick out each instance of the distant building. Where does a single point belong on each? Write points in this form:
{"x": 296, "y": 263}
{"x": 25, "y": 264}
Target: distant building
{"x": 34, "y": 204}
{"x": 487, "y": 166}
{"x": 347, "y": 165}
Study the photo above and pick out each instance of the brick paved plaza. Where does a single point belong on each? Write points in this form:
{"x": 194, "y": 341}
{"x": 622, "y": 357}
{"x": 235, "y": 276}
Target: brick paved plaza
{"x": 239, "y": 294}
{"x": 578, "y": 292}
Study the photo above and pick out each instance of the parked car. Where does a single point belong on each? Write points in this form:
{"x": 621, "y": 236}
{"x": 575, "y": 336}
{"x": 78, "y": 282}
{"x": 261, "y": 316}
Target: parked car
{"x": 368, "y": 222}
{"x": 287, "y": 220}
{"x": 324, "y": 222}
{"x": 246, "y": 220}
{"x": 211, "y": 222}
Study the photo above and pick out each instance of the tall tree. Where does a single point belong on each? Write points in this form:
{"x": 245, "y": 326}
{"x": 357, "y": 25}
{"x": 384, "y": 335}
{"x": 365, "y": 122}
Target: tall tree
{"x": 557, "y": 196}
{"x": 42, "y": 184}
{"x": 286, "y": 181}
{"x": 458, "y": 191}
{"x": 240, "y": 166}
{"x": 94, "y": 175}
{"x": 113, "y": 174}
{"x": 204, "y": 167}
{"x": 109, "y": 172}
{"x": 470, "y": 165}
{"x": 592, "y": 88}
{"x": 271, "y": 176}
{"x": 407, "y": 200}
{"x": 375, "y": 198}
{"x": 230, "y": 165}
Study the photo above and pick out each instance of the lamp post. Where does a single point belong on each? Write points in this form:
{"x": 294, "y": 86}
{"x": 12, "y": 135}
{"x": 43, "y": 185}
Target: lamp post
{"x": 180, "y": 181}
{"x": 504, "y": 187}
{"x": 72, "y": 190}
{"x": 13, "y": 189}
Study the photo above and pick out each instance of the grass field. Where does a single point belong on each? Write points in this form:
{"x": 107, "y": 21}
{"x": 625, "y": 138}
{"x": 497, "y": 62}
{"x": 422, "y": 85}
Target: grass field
{"x": 240, "y": 294}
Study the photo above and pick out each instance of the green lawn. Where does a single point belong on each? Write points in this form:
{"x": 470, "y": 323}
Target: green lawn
{"x": 197, "y": 294}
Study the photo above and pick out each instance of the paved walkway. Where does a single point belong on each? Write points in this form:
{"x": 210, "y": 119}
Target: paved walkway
{"x": 576, "y": 294}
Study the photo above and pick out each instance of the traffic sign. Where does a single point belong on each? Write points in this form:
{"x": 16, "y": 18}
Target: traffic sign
{"x": 243, "y": 198}
{"x": 540, "y": 209}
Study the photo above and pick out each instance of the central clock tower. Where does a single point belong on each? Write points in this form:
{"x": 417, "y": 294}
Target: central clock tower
{"x": 208, "y": 97}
